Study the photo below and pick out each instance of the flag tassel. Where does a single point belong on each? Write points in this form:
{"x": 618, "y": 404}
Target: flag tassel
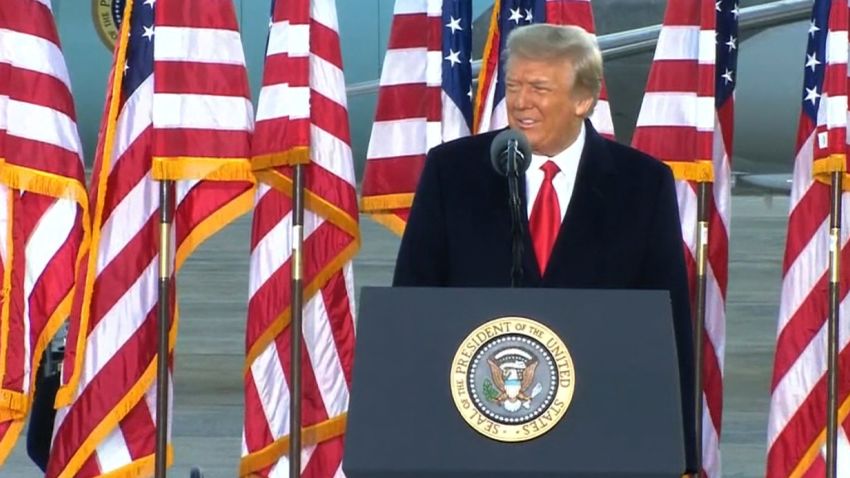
{"x": 834, "y": 302}
{"x": 703, "y": 191}
{"x": 297, "y": 320}
{"x": 166, "y": 216}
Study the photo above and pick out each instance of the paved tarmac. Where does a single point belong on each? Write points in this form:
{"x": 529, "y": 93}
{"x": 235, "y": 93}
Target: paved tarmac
{"x": 210, "y": 350}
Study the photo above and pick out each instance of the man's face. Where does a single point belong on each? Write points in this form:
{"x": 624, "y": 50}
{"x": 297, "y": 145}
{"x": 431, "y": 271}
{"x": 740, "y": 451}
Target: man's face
{"x": 543, "y": 104}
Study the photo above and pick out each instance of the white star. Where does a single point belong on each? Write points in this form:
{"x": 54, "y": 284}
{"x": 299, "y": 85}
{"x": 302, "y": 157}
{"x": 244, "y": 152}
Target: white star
{"x": 454, "y": 57}
{"x": 731, "y": 43}
{"x": 150, "y": 2}
{"x": 516, "y": 16}
{"x": 454, "y": 24}
{"x": 717, "y": 6}
{"x": 470, "y": 93}
{"x": 148, "y": 32}
{"x": 529, "y": 17}
{"x": 126, "y": 67}
{"x": 812, "y": 95}
{"x": 813, "y": 28}
{"x": 812, "y": 61}
{"x": 735, "y": 11}
{"x": 727, "y": 76}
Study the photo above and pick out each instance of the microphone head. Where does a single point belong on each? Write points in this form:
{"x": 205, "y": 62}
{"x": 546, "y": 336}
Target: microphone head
{"x": 499, "y": 151}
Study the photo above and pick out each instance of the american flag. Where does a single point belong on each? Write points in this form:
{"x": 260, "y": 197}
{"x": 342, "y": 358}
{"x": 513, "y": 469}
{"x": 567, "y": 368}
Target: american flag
{"x": 686, "y": 120}
{"x": 425, "y": 98}
{"x": 301, "y": 119}
{"x": 177, "y": 108}
{"x": 797, "y": 422}
{"x": 490, "y": 110}
{"x": 43, "y": 201}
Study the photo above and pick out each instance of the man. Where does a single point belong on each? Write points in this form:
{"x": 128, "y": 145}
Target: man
{"x": 600, "y": 214}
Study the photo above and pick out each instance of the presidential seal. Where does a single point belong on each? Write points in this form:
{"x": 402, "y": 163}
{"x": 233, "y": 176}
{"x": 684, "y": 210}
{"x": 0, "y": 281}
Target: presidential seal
{"x": 107, "y": 19}
{"x": 512, "y": 379}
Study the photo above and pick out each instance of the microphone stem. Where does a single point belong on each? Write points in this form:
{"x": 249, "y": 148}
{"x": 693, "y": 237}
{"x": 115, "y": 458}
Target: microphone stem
{"x": 516, "y": 218}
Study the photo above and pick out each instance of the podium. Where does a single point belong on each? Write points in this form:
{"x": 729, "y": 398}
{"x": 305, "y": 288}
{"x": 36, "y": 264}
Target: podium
{"x": 624, "y": 418}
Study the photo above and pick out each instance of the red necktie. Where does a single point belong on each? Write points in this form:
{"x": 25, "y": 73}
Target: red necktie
{"x": 545, "y": 218}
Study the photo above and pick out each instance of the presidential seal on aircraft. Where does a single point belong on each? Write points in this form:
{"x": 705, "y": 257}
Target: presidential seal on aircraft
{"x": 107, "y": 19}
{"x": 512, "y": 379}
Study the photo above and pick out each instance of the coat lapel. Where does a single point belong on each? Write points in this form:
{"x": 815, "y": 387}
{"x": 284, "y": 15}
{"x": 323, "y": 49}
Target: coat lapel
{"x": 576, "y": 255}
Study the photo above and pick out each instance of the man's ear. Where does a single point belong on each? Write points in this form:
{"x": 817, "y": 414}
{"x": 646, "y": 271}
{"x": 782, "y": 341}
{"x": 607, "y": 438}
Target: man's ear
{"x": 583, "y": 106}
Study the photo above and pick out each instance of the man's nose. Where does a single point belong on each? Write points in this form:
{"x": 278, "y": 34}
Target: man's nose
{"x": 521, "y": 98}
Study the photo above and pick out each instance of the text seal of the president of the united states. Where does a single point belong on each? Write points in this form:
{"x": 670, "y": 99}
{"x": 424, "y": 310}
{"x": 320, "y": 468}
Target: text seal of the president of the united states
{"x": 107, "y": 19}
{"x": 512, "y": 379}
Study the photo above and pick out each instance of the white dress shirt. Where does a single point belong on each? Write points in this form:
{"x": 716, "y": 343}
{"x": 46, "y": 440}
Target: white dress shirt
{"x": 564, "y": 182}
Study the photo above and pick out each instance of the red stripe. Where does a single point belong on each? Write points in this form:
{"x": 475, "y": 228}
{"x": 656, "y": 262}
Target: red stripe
{"x": 278, "y": 135}
{"x": 281, "y": 69}
{"x": 330, "y": 116}
{"x": 336, "y": 300}
{"x": 324, "y": 43}
{"x": 56, "y": 281}
{"x": 399, "y": 102}
{"x": 191, "y": 142}
{"x": 718, "y": 250}
{"x": 139, "y": 430}
{"x": 672, "y": 143}
{"x": 298, "y": 13}
{"x": 126, "y": 174}
{"x": 16, "y": 356}
{"x": 69, "y": 360}
{"x": 415, "y": 30}
{"x": 330, "y": 187}
{"x": 675, "y": 76}
{"x": 217, "y": 14}
{"x": 272, "y": 208}
{"x": 201, "y": 79}
{"x": 392, "y": 175}
{"x": 313, "y": 408}
{"x": 205, "y": 198}
{"x": 712, "y": 383}
{"x": 808, "y": 421}
{"x": 30, "y": 86}
{"x": 124, "y": 270}
{"x": 256, "y": 428}
{"x": 325, "y": 460}
{"x": 726, "y": 118}
{"x": 683, "y": 12}
{"x": 44, "y": 157}
{"x": 120, "y": 373}
{"x": 30, "y": 17}
{"x": 804, "y": 221}
{"x": 570, "y": 12}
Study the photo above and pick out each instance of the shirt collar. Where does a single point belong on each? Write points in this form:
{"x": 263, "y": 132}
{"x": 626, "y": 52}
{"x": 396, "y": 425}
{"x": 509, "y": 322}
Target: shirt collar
{"x": 567, "y": 159}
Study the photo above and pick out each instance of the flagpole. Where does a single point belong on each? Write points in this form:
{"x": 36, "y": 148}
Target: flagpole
{"x": 295, "y": 324}
{"x": 166, "y": 214}
{"x": 703, "y": 189}
{"x": 832, "y": 324}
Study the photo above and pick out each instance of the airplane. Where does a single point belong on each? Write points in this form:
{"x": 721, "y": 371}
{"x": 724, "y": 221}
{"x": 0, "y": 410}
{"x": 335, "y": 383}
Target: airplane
{"x": 767, "y": 98}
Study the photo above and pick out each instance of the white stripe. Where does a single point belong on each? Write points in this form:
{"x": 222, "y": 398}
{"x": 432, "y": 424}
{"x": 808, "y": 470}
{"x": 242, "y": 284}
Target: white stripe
{"x": 327, "y": 80}
{"x": 487, "y": 110}
{"x": 715, "y": 317}
{"x": 324, "y": 357}
{"x": 836, "y": 47}
{"x": 4, "y": 225}
{"x": 842, "y": 453}
{"x": 405, "y": 137}
{"x": 30, "y": 52}
{"x": 121, "y": 322}
{"x": 126, "y": 220}
{"x": 292, "y": 40}
{"x": 601, "y": 118}
{"x": 805, "y": 271}
{"x": 270, "y": 253}
{"x": 283, "y": 101}
{"x": 273, "y": 390}
{"x": 4, "y": 104}
{"x": 324, "y": 12}
{"x": 687, "y": 200}
{"x": 832, "y": 112}
{"x": 46, "y": 3}
{"x": 281, "y": 468}
{"x": 112, "y": 453}
{"x": 411, "y": 65}
{"x": 407, "y": 7}
{"x": 710, "y": 445}
{"x": 332, "y": 154}
{"x": 198, "y": 45}
{"x": 133, "y": 119}
{"x": 454, "y": 123}
{"x": 677, "y": 109}
{"x": 225, "y": 113}
{"x": 348, "y": 273}
{"x": 183, "y": 188}
{"x": 802, "y": 172}
{"x": 46, "y": 125}
{"x": 796, "y": 385}
{"x": 678, "y": 43}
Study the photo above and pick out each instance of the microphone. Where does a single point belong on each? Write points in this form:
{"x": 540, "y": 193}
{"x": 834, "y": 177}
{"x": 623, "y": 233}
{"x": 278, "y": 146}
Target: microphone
{"x": 510, "y": 153}
{"x": 510, "y": 156}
